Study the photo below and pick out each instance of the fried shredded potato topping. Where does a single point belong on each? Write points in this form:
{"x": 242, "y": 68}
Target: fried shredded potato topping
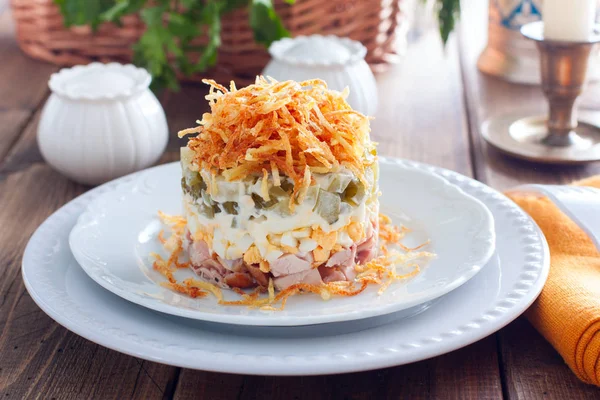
{"x": 381, "y": 271}
{"x": 288, "y": 128}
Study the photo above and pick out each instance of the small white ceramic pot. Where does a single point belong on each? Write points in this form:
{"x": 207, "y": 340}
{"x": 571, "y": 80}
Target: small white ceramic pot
{"x": 338, "y": 61}
{"x": 101, "y": 122}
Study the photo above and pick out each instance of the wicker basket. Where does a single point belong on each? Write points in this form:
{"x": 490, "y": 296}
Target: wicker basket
{"x": 375, "y": 23}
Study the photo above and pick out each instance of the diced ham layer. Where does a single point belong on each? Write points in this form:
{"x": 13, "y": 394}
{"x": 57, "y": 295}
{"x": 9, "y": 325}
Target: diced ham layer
{"x": 224, "y": 273}
{"x": 331, "y": 274}
{"x": 240, "y": 280}
{"x": 311, "y": 277}
{"x": 289, "y": 264}
{"x": 199, "y": 252}
{"x": 287, "y": 270}
{"x": 366, "y": 251}
{"x": 345, "y": 257}
{"x": 260, "y": 277}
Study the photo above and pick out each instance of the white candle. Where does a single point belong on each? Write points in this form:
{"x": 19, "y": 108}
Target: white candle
{"x": 568, "y": 20}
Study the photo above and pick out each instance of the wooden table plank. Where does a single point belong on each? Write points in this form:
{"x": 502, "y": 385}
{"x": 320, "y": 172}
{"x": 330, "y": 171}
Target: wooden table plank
{"x": 421, "y": 116}
{"x": 11, "y": 123}
{"x": 208, "y": 385}
{"x": 448, "y": 377}
{"x": 23, "y": 84}
{"x": 24, "y": 152}
{"x": 38, "y": 356}
{"x": 531, "y": 367}
{"x": 452, "y": 376}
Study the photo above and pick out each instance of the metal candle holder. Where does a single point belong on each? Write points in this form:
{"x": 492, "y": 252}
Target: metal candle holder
{"x": 560, "y": 137}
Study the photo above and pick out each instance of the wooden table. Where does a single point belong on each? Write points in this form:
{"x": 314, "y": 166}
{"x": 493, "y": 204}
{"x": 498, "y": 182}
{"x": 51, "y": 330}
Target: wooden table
{"x": 431, "y": 110}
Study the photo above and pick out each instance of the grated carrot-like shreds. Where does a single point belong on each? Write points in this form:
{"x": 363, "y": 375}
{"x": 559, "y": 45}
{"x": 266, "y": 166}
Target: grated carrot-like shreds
{"x": 390, "y": 233}
{"x": 288, "y": 128}
{"x": 191, "y": 291}
{"x": 380, "y": 271}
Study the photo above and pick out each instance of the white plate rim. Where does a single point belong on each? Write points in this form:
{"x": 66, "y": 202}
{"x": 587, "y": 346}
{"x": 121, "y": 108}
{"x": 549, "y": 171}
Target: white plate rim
{"x": 483, "y": 235}
{"x": 533, "y": 275}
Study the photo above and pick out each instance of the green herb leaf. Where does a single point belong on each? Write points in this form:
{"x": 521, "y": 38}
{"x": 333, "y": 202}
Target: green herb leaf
{"x": 231, "y": 5}
{"x": 122, "y": 8}
{"x": 152, "y": 16}
{"x": 448, "y": 14}
{"x": 83, "y": 12}
{"x": 181, "y": 26}
{"x": 189, "y": 3}
{"x": 265, "y": 22}
{"x": 211, "y": 16}
{"x": 151, "y": 51}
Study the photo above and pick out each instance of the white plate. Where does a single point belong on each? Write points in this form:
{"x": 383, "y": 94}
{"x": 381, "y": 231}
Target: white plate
{"x": 508, "y": 284}
{"x": 115, "y": 235}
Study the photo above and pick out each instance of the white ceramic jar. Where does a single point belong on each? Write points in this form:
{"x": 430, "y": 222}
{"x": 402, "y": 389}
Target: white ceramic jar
{"x": 338, "y": 61}
{"x": 101, "y": 122}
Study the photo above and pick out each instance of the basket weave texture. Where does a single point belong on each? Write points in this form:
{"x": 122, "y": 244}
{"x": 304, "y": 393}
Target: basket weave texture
{"x": 375, "y": 23}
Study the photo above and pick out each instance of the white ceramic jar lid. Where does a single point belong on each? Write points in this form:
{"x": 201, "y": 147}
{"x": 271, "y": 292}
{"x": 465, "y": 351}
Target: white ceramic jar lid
{"x": 317, "y": 50}
{"x": 97, "y": 81}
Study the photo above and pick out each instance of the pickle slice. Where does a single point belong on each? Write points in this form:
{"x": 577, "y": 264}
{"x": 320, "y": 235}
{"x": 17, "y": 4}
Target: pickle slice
{"x": 260, "y": 203}
{"x": 328, "y": 206}
{"x": 193, "y": 184}
{"x": 231, "y": 207}
{"x": 207, "y": 211}
{"x": 312, "y": 195}
{"x": 278, "y": 192}
{"x": 354, "y": 193}
{"x": 287, "y": 185}
{"x": 282, "y": 208}
{"x": 339, "y": 183}
{"x": 207, "y": 199}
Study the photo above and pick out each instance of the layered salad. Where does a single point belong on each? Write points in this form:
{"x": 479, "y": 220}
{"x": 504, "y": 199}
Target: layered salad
{"x": 279, "y": 187}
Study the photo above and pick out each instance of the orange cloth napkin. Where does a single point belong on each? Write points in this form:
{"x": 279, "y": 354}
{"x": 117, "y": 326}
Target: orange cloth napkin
{"x": 567, "y": 313}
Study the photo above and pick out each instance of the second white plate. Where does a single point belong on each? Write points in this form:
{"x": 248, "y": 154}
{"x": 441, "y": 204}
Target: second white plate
{"x": 509, "y": 283}
{"x": 114, "y": 236}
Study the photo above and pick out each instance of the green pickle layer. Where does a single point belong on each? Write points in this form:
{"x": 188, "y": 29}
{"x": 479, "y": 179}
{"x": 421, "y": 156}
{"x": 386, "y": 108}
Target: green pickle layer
{"x": 343, "y": 188}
